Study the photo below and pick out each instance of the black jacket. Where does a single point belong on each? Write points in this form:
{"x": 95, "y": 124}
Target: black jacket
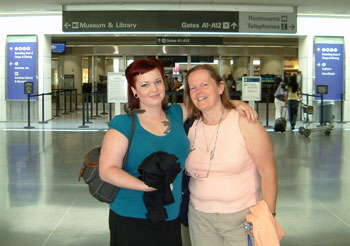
{"x": 158, "y": 170}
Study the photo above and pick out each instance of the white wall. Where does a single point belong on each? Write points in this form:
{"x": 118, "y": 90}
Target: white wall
{"x": 271, "y": 65}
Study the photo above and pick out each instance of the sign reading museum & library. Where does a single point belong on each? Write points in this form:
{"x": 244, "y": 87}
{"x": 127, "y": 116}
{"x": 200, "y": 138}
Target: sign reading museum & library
{"x": 178, "y": 21}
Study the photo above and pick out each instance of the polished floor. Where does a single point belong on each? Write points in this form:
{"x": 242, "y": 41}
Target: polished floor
{"x": 43, "y": 204}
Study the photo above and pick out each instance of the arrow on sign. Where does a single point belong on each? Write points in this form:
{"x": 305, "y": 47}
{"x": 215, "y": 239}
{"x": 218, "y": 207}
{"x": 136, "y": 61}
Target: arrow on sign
{"x": 234, "y": 25}
{"x": 318, "y": 49}
{"x": 292, "y": 26}
{"x": 67, "y": 25}
{"x": 318, "y": 64}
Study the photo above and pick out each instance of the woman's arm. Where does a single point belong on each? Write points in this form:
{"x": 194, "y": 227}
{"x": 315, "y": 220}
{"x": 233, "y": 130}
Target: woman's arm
{"x": 242, "y": 108}
{"x": 260, "y": 148}
{"x": 184, "y": 112}
{"x": 245, "y": 110}
{"x": 113, "y": 150}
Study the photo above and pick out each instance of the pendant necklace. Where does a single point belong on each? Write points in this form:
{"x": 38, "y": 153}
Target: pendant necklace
{"x": 212, "y": 152}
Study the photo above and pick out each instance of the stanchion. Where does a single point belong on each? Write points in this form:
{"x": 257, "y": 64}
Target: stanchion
{"x": 28, "y": 126}
{"x": 103, "y": 104}
{"x": 321, "y": 123}
{"x": 341, "y": 108}
{"x": 110, "y": 113}
{"x": 92, "y": 105}
{"x": 57, "y": 103}
{"x": 42, "y": 110}
{"x": 96, "y": 102}
{"x": 267, "y": 110}
{"x": 83, "y": 126}
{"x": 70, "y": 100}
{"x": 65, "y": 102}
{"x": 87, "y": 110}
{"x": 76, "y": 99}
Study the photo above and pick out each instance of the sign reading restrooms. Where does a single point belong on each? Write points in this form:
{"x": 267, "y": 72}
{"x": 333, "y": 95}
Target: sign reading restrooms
{"x": 179, "y": 21}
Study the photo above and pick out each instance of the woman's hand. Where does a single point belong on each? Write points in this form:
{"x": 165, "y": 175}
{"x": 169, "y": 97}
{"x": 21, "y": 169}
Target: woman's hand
{"x": 245, "y": 110}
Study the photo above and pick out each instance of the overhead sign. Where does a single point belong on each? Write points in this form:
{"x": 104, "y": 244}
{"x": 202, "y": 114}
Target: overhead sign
{"x": 190, "y": 40}
{"x": 267, "y": 22}
{"x": 251, "y": 88}
{"x": 149, "y": 21}
{"x": 21, "y": 65}
{"x": 329, "y": 65}
{"x": 178, "y": 21}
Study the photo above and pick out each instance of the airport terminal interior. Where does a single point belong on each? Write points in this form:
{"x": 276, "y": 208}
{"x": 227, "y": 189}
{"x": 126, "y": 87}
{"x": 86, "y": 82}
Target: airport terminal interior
{"x": 42, "y": 203}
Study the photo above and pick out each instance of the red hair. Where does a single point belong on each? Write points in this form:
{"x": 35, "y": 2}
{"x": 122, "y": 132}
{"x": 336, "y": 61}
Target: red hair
{"x": 141, "y": 66}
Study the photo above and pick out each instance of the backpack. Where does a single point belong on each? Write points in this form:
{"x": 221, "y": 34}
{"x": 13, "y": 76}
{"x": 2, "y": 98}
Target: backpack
{"x": 102, "y": 191}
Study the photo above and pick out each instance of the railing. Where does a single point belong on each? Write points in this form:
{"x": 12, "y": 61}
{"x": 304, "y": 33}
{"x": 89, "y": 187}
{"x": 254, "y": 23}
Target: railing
{"x": 70, "y": 96}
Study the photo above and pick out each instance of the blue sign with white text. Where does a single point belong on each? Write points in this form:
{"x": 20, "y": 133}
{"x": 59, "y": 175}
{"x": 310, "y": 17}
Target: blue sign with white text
{"x": 329, "y": 69}
{"x": 21, "y": 67}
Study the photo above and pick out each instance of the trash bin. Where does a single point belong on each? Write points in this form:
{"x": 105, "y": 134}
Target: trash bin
{"x": 327, "y": 111}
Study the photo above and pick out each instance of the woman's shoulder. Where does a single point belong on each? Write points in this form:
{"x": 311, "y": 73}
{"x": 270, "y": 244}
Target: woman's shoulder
{"x": 175, "y": 109}
{"x": 120, "y": 121}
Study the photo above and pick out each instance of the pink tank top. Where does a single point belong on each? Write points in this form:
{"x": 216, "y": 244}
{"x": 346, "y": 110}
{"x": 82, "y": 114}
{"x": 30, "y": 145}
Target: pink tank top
{"x": 233, "y": 183}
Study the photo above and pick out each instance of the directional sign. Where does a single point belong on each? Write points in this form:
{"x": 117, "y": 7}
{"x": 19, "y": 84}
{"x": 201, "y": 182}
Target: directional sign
{"x": 149, "y": 21}
{"x": 190, "y": 40}
{"x": 178, "y": 21}
{"x": 21, "y": 67}
{"x": 329, "y": 67}
{"x": 267, "y": 22}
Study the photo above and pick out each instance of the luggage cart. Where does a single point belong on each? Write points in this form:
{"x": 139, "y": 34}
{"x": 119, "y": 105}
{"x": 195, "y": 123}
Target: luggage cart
{"x": 306, "y": 129}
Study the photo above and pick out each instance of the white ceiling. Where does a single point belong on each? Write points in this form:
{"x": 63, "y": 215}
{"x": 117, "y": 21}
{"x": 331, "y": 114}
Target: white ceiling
{"x": 314, "y": 7}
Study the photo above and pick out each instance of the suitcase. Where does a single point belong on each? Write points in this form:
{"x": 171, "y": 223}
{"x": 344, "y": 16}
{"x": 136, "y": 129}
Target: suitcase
{"x": 281, "y": 123}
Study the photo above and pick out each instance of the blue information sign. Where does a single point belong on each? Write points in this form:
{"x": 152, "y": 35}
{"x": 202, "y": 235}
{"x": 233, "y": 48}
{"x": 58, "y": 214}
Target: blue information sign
{"x": 329, "y": 69}
{"x": 21, "y": 67}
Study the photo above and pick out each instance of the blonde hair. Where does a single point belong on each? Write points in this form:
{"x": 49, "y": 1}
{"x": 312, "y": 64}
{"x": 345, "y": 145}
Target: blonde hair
{"x": 214, "y": 74}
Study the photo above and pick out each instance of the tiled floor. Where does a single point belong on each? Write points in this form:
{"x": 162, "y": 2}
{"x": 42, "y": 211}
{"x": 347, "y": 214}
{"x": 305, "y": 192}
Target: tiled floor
{"x": 43, "y": 204}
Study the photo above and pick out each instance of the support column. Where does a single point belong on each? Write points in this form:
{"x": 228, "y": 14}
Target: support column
{"x": 306, "y": 47}
{"x": 44, "y": 76}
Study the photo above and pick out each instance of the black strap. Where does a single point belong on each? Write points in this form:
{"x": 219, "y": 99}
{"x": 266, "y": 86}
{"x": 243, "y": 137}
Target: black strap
{"x": 132, "y": 115}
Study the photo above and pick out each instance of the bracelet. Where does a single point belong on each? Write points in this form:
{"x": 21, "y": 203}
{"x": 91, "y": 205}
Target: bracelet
{"x": 273, "y": 214}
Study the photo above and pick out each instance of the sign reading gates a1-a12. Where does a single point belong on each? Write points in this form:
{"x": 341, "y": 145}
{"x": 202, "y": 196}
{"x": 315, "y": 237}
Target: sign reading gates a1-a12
{"x": 329, "y": 66}
{"x": 21, "y": 67}
{"x": 179, "y": 21}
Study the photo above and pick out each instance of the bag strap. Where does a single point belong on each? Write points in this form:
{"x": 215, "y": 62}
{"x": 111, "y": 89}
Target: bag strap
{"x": 132, "y": 115}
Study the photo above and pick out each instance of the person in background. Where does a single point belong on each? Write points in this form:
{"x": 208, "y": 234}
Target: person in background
{"x": 229, "y": 83}
{"x": 159, "y": 128}
{"x": 177, "y": 84}
{"x": 280, "y": 97}
{"x": 228, "y": 157}
{"x": 292, "y": 100}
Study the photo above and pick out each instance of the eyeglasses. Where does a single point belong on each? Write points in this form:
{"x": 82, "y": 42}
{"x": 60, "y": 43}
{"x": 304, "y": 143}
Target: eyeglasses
{"x": 199, "y": 175}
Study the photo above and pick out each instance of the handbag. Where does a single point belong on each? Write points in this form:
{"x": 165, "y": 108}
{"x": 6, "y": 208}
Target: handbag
{"x": 103, "y": 191}
{"x": 281, "y": 97}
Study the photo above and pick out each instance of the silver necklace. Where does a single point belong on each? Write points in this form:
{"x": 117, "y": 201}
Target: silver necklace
{"x": 212, "y": 152}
